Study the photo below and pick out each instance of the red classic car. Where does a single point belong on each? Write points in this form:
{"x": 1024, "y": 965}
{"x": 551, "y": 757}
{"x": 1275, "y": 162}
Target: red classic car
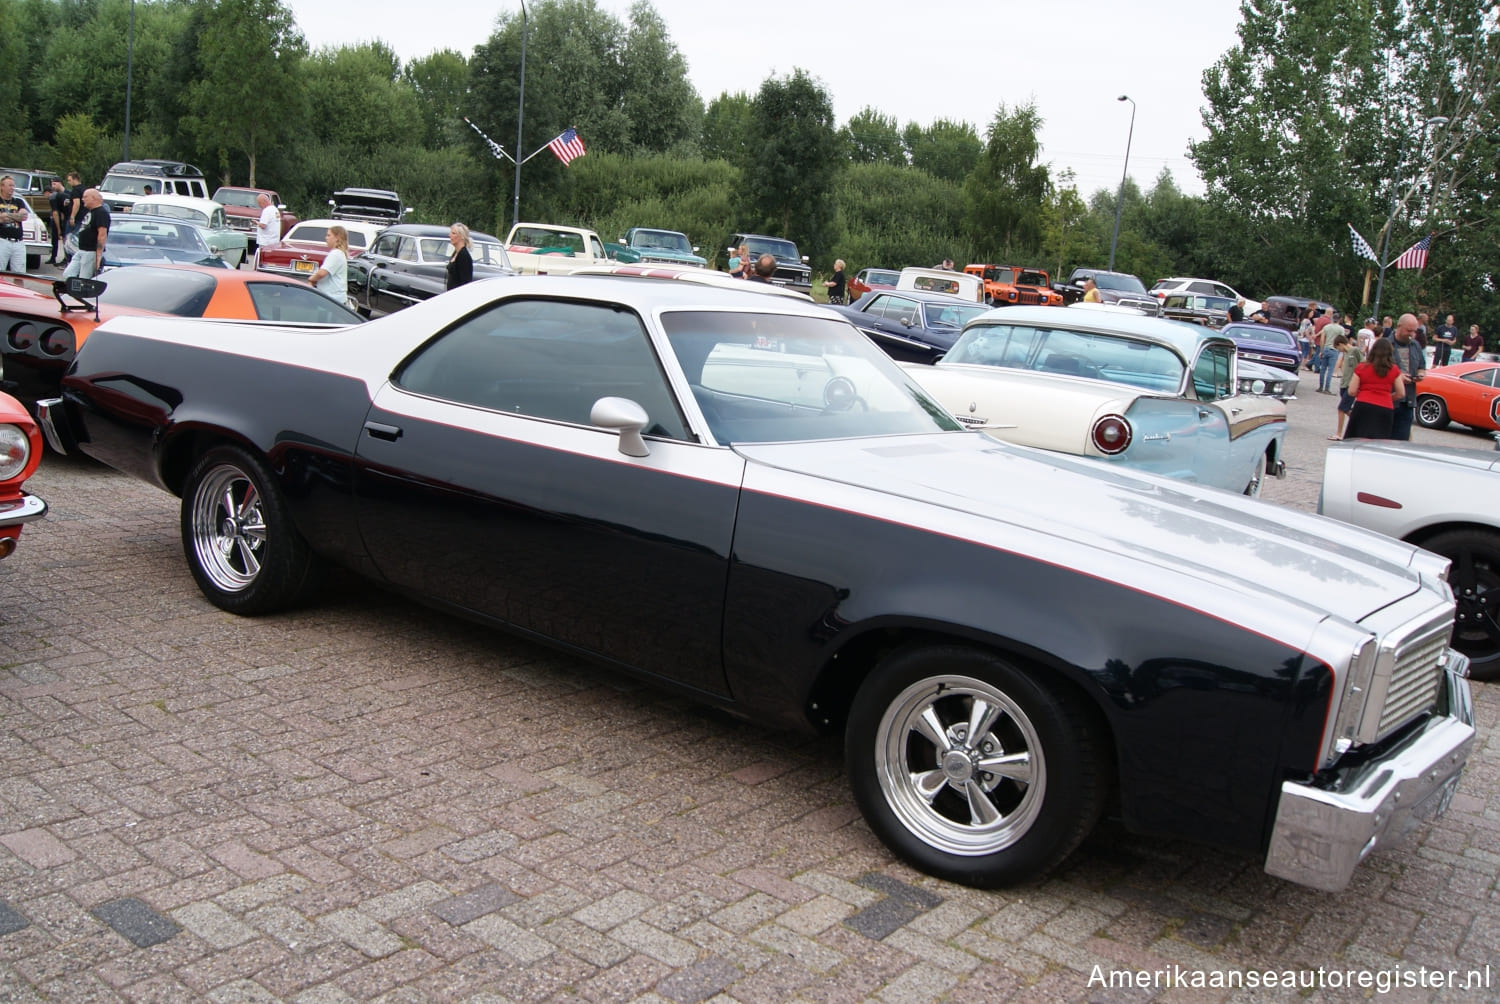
{"x": 20, "y": 453}
{"x": 303, "y": 247}
{"x": 1467, "y": 393}
{"x": 867, "y": 279}
{"x": 243, "y": 211}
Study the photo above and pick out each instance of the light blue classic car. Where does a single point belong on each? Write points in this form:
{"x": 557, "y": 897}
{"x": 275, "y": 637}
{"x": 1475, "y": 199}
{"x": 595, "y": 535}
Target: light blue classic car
{"x": 1098, "y": 381}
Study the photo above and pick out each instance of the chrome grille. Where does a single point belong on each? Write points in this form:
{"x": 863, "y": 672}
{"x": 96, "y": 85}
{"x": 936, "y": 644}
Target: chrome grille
{"x": 1415, "y": 681}
{"x": 1029, "y": 296}
{"x": 1151, "y": 307}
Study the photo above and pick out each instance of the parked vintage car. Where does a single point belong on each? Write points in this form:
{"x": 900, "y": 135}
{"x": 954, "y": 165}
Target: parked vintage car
{"x": 869, "y": 279}
{"x": 1443, "y": 499}
{"x": 139, "y": 239}
{"x": 1286, "y": 311}
{"x": 1195, "y": 308}
{"x": 737, "y": 496}
{"x": 1269, "y": 381}
{"x": 303, "y": 247}
{"x": 792, "y": 269}
{"x": 691, "y": 273}
{"x": 1114, "y": 287}
{"x": 375, "y": 206}
{"x": 242, "y": 207}
{"x": 208, "y": 216}
{"x": 42, "y": 337}
{"x": 1135, "y": 391}
{"x": 1468, "y": 393}
{"x": 962, "y": 285}
{"x": 1203, "y": 287}
{"x": 661, "y": 247}
{"x": 911, "y": 326}
{"x": 408, "y": 263}
{"x": 1267, "y": 344}
{"x": 20, "y": 453}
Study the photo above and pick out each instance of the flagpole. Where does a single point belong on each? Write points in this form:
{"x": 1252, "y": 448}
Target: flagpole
{"x": 1385, "y": 235}
{"x": 515, "y": 204}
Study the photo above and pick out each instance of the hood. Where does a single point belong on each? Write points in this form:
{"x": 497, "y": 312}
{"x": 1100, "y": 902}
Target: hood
{"x": 367, "y": 204}
{"x": 1472, "y": 458}
{"x": 1246, "y": 561}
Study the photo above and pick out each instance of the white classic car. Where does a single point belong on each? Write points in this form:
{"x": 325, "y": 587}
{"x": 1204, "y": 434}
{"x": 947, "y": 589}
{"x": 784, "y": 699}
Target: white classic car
{"x": 1159, "y": 396}
{"x": 1445, "y": 499}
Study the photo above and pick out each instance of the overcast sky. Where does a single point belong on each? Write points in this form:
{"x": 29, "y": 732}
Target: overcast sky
{"x": 916, "y": 60}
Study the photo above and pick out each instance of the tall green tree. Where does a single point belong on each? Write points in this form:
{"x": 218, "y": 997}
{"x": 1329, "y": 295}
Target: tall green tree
{"x": 1007, "y": 189}
{"x": 947, "y": 150}
{"x": 870, "y": 137}
{"x": 440, "y": 83}
{"x": 251, "y": 53}
{"x": 793, "y": 157}
{"x": 662, "y": 109}
{"x": 726, "y": 128}
{"x": 358, "y": 99}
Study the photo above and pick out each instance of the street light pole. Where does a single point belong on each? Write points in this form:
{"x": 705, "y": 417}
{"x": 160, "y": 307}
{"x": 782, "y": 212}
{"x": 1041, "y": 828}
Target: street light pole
{"x": 1120, "y": 199}
{"x": 515, "y": 205}
{"x": 129, "y": 59}
{"x": 1385, "y": 233}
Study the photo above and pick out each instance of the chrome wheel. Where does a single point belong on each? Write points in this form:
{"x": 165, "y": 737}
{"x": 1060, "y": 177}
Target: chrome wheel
{"x": 1257, "y": 478}
{"x": 228, "y": 528}
{"x": 961, "y": 765}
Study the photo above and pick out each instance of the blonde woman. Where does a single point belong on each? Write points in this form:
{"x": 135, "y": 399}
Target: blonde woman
{"x": 332, "y": 280}
{"x": 461, "y": 262}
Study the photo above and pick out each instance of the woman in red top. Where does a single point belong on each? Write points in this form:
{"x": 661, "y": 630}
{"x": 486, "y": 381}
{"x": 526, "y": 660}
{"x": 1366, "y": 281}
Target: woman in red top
{"x": 1376, "y": 384}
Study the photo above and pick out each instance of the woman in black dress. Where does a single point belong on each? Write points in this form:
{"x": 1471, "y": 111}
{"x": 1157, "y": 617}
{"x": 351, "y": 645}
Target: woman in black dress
{"x": 461, "y": 262}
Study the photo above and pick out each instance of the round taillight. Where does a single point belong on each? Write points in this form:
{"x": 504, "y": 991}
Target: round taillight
{"x": 21, "y": 336}
{"x": 57, "y": 341}
{"x": 1111, "y": 435}
{"x": 15, "y": 450}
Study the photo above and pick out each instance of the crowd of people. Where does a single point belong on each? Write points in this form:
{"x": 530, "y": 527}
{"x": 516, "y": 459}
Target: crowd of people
{"x": 1378, "y": 366}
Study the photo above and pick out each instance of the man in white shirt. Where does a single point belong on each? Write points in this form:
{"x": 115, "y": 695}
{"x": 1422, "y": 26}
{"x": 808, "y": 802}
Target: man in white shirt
{"x": 268, "y": 226}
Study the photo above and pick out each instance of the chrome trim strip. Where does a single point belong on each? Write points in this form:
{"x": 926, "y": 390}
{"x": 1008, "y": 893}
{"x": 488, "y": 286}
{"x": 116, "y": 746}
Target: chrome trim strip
{"x": 45, "y": 419}
{"x": 1321, "y": 835}
{"x": 22, "y": 510}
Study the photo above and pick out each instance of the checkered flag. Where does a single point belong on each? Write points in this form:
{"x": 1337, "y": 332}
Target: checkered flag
{"x": 495, "y": 148}
{"x": 1362, "y": 247}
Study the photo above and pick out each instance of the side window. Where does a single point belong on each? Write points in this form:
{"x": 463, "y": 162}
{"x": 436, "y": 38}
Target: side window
{"x": 1201, "y": 287}
{"x": 1176, "y": 301}
{"x": 408, "y": 250}
{"x": 386, "y": 245}
{"x": 546, "y": 359}
{"x": 1484, "y": 378}
{"x": 1211, "y": 373}
{"x": 901, "y": 310}
{"x": 217, "y": 220}
{"x": 294, "y": 302}
{"x": 595, "y": 248}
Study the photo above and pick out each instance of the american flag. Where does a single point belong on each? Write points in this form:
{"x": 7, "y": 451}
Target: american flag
{"x": 1361, "y": 246}
{"x": 567, "y": 146}
{"x": 1414, "y": 256}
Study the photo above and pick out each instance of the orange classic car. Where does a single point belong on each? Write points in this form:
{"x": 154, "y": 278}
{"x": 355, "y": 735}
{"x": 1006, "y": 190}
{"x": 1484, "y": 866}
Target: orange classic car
{"x": 1468, "y": 393}
{"x": 41, "y": 330}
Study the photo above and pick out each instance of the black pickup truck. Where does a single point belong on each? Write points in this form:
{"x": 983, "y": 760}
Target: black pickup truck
{"x": 1114, "y": 287}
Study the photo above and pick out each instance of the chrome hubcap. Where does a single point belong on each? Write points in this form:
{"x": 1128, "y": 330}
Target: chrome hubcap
{"x": 228, "y": 528}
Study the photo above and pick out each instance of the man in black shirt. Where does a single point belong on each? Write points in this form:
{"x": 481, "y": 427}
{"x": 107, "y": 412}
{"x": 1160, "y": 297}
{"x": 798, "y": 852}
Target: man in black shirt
{"x": 93, "y": 230}
{"x": 1445, "y": 338}
{"x": 75, "y": 197}
{"x": 57, "y": 219}
{"x": 13, "y": 210}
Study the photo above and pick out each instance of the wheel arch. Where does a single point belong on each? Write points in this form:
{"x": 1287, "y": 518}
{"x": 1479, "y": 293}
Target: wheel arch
{"x": 182, "y": 448}
{"x": 1426, "y": 533}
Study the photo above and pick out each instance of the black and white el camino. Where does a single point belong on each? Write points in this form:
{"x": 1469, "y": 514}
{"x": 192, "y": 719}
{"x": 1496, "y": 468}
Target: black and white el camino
{"x": 739, "y": 496}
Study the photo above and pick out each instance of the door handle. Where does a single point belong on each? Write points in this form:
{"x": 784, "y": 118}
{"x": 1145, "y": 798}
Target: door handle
{"x": 389, "y": 433}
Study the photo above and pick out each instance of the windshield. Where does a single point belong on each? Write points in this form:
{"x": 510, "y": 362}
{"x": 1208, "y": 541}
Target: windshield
{"x": 317, "y": 233}
{"x": 489, "y": 253}
{"x": 1115, "y": 358}
{"x": 667, "y": 240}
{"x": 166, "y": 234}
{"x": 243, "y": 200}
{"x": 996, "y": 274}
{"x": 119, "y": 184}
{"x": 167, "y": 291}
{"x": 1264, "y": 333}
{"x": 553, "y": 241}
{"x": 175, "y": 212}
{"x": 955, "y": 315}
{"x": 785, "y": 250}
{"x": 775, "y": 378}
{"x": 878, "y": 278}
{"x": 1123, "y": 283}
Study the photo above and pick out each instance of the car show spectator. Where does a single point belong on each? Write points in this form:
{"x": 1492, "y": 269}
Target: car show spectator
{"x": 332, "y": 278}
{"x": 76, "y": 209}
{"x": 1237, "y": 311}
{"x": 1366, "y": 336}
{"x": 461, "y": 262}
{"x": 1387, "y": 326}
{"x": 268, "y": 223}
{"x": 836, "y": 284}
{"x": 93, "y": 233}
{"x": 765, "y": 268}
{"x": 1091, "y": 291}
{"x": 1421, "y": 335}
{"x": 1353, "y": 355}
{"x": 1376, "y": 384}
{"x": 946, "y": 265}
{"x": 57, "y": 218}
{"x": 1473, "y": 345}
{"x": 13, "y": 210}
{"x": 1305, "y": 335}
{"x": 740, "y": 266}
{"x": 1445, "y": 340}
{"x": 1328, "y": 355}
{"x": 1412, "y": 362}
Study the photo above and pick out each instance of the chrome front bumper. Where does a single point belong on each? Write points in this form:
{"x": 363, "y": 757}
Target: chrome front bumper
{"x": 21, "y": 510}
{"x": 1321, "y": 836}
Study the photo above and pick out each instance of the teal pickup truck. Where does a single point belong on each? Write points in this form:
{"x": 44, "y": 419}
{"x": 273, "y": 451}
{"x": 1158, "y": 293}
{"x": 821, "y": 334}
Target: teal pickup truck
{"x": 659, "y": 247}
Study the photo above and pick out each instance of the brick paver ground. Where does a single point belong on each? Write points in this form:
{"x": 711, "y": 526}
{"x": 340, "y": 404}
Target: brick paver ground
{"x": 367, "y": 800}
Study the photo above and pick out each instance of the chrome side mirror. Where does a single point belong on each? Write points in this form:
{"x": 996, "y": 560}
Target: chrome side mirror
{"x": 627, "y": 418}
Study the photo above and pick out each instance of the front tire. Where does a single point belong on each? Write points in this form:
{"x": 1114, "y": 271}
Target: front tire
{"x": 1432, "y": 412}
{"x": 1475, "y": 578}
{"x": 243, "y": 549}
{"x": 972, "y": 769}
{"x": 1257, "y": 477}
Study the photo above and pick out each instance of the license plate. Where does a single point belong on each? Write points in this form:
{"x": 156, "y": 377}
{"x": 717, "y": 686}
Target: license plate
{"x": 304, "y": 266}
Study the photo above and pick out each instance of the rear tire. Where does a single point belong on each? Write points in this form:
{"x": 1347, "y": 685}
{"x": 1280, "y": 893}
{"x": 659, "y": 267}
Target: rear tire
{"x": 1475, "y": 578}
{"x": 971, "y": 768}
{"x": 241, "y": 545}
{"x": 1432, "y": 412}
